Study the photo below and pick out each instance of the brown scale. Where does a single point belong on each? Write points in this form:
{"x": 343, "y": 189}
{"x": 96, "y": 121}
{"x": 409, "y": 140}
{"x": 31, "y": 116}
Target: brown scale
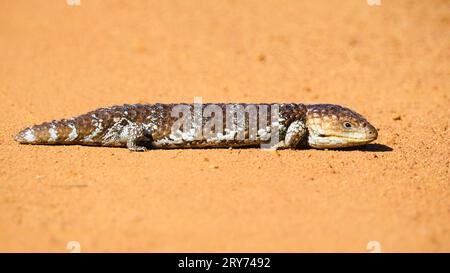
{"x": 62, "y": 130}
{"x": 340, "y": 112}
{"x": 42, "y": 132}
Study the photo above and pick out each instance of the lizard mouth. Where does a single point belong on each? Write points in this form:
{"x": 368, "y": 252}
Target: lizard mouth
{"x": 333, "y": 141}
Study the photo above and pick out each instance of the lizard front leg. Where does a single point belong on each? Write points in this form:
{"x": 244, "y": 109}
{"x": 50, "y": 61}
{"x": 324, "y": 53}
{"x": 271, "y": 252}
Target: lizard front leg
{"x": 295, "y": 134}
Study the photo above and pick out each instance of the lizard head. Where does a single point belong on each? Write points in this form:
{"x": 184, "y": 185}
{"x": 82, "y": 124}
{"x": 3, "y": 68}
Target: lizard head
{"x": 334, "y": 126}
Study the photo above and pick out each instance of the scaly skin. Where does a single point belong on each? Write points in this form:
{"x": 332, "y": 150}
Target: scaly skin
{"x": 143, "y": 126}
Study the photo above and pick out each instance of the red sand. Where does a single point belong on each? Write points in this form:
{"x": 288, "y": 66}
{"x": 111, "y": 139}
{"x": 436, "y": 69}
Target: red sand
{"x": 390, "y": 63}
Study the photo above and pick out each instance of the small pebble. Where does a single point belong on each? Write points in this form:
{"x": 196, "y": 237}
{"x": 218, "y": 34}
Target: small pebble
{"x": 396, "y": 116}
{"x": 262, "y": 58}
{"x": 213, "y": 166}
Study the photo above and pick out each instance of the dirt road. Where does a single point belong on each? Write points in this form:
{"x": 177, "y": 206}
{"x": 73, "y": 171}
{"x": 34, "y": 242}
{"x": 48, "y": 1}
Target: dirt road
{"x": 388, "y": 62}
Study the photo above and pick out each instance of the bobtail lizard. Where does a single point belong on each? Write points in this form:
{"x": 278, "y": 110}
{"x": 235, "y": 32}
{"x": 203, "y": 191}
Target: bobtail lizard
{"x": 145, "y": 126}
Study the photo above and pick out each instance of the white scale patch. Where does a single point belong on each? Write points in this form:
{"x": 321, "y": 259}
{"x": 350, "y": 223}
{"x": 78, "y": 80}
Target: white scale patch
{"x": 219, "y": 137}
{"x": 150, "y": 127}
{"x": 29, "y": 135}
{"x": 73, "y": 134}
{"x": 98, "y": 130}
{"x": 53, "y": 133}
{"x": 229, "y": 134}
{"x": 264, "y": 134}
{"x": 172, "y": 139}
{"x": 124, "y": 133}
{"x": 180, "y": 137}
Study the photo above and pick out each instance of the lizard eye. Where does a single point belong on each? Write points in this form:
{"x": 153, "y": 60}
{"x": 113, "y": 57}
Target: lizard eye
{"x": 347, "y": 125}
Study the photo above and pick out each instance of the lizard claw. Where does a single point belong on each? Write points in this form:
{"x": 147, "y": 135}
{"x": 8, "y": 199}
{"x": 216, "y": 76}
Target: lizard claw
{"x": 137, "y": 149}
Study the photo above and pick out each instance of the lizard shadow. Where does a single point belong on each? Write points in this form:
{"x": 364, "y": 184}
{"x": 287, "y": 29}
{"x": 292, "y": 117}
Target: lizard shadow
{"x": 363, "y": 148}
{"x": 368, "y": 148}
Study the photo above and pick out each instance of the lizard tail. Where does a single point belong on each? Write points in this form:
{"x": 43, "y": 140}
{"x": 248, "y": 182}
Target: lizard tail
{"x": 82, "y": 129}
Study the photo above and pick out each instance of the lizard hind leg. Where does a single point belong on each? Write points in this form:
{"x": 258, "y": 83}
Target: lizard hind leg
{"x": 139, "y": 138}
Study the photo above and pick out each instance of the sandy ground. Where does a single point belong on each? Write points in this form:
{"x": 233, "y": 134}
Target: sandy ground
{"x": 388, "y": 62}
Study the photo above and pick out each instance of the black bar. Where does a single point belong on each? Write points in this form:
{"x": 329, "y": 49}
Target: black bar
{"x": 223, "y": 262}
